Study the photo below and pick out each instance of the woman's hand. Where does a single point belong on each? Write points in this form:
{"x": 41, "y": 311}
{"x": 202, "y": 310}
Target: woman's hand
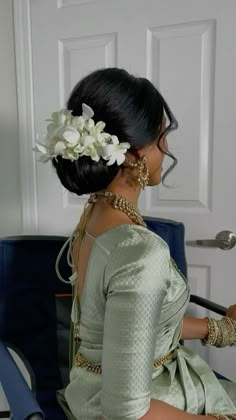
{"x": 231, "y": 312}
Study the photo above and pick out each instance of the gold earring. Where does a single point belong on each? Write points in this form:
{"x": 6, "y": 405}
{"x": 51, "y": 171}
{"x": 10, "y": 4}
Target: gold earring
{"x": 143, "y": 172}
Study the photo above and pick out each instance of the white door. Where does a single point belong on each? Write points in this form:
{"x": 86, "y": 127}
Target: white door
{"x": 187, "y": 49}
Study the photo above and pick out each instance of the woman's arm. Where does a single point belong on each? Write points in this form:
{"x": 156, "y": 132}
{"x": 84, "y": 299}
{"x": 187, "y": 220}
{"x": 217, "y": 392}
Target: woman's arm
{"x": 135, "y": 287}
{"x": 194, "y": 328}
{"x": 162, "y": 410}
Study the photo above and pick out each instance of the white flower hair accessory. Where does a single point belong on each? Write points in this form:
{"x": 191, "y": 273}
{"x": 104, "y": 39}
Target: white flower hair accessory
{"x": 72, "y": 137}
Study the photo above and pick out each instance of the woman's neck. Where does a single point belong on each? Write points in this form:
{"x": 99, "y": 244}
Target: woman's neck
{"x": 120, "y": 186}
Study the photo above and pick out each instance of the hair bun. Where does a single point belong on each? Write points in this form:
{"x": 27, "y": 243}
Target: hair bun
{"x": 132, "y": 109}
{"x": 84, "y": 176}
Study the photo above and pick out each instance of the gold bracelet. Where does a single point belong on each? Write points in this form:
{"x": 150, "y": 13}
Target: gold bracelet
{"x": 213, "y": 333}
{"x": 217, "y": 416}
{"x": 222, "y": 416}
{"x": 232, "y": 324}
{"x": 221, "y": 333}
{"x": 227, "y": 327}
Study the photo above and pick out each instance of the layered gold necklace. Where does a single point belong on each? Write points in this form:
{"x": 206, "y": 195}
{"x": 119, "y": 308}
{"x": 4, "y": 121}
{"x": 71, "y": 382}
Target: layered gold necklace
{"x": 120, "y": 203}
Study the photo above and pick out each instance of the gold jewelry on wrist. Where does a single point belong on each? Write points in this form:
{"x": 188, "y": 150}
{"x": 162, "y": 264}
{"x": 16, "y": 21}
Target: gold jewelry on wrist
{"x": 222, "y": 416}
{"x": 213, "y": 333}
{"x": 221, "y": 333}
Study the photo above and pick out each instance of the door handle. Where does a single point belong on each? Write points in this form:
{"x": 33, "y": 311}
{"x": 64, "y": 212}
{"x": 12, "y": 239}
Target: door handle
{"x": 224, "y": 240}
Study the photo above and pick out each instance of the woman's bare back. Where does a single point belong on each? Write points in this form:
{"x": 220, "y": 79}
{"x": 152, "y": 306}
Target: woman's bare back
{"x": 102, "y": 219}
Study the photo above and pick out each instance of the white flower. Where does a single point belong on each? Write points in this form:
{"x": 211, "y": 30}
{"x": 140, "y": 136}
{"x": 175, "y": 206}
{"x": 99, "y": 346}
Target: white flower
{"x": 45, "y": 154}
{"x": 89, "y": 124}
{"x": 115, "y": 152}
{"x": 70, "y": 155}
{"x": 59, "y": 148}
{"x": 100, "y": 126}
{"x": 61, "y": 117}
{"x": 52, "y": 129}
{"x": 71, "y": 137}
{"x": 102, "y": 138}
{"x": 88, "y": 140}
{"x": 78, "y": 123}
{"x": 92, "y": 152}
{"x": 41, "y": 148}
{"x": 82, "y": 146}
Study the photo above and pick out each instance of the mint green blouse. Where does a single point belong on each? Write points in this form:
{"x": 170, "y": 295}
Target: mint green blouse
{"x": 131, "y": 313}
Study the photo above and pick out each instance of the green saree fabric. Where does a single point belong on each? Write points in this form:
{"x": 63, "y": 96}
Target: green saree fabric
{"x": 131, "y": 313}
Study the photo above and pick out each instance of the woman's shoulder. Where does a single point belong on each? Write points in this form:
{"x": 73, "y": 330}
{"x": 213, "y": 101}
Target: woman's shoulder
{"x": 129, "y": 236}
{"x": 139, "y": 254}
{"x": 131, "y": 243}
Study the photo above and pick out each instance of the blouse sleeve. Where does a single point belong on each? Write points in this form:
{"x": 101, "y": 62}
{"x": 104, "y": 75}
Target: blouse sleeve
{"x": 136, "y": 280}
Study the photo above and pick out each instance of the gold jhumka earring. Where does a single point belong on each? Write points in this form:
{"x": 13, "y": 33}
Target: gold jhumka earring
{"x": 143, "y": 172}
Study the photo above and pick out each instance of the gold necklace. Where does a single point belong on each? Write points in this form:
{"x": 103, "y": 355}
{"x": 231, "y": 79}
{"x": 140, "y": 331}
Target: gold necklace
{"x": 120, "y": 203}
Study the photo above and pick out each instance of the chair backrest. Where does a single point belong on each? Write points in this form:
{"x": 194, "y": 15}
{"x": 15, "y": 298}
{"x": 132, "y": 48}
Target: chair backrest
{"x": 29, "y": 317}
{"x": 16, "y": 385}
{"x": 174, "y": 234}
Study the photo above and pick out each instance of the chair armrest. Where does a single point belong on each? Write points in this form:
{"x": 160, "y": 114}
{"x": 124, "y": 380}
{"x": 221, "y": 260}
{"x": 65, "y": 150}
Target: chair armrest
{"x": 205, "y": 303}
{"x": 19, "y": 396}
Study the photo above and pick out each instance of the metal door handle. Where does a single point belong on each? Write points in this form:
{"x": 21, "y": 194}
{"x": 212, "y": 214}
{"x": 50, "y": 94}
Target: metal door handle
{"x": 224, "y": 240}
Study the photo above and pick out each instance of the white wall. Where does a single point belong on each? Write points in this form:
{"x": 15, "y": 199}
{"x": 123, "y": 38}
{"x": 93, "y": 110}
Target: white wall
{"x": 10, "y": 201}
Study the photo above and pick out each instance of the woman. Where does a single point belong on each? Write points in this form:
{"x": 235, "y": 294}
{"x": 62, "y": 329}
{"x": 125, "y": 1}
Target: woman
{"x": 130, "y": 299}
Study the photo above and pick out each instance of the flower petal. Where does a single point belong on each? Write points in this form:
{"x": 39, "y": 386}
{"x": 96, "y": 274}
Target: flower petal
{"x": 79, "y": 149}
{"x": 106, "y": 136}
{"x": 87, "y": 140}
{"x": 111, "y": 161}
{"x": 87, "y": 112}
{"x": 59, "y": 148}
{"x": 72, "y": 136}
{"x": 55, "y": 117}
{"x": 100, "y": 139}
{"x": 100, "y": 126}
{"x": 51, "y": 129}
{"x": 78, "y": 123}
{"x": 41, "y": 148}
{"x": 61, "y": 118}
{"x": 125, "y": 145}
{"x": 90, "y": 124}
{"x": 70, "y": 155}
{"x": 114, "y": 139}
{"x": 108, "y": 150}
{"x": 45, "y": 158}
{"x": 95, "y": 157}
{"x": 120, "y": 158}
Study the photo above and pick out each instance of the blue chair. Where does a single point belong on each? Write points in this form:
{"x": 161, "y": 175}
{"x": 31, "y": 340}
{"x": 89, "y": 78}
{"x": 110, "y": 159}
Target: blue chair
{"x": 14, "y": 369}
{"x": 174, "y": 233}
{"x": 35, "y": 306}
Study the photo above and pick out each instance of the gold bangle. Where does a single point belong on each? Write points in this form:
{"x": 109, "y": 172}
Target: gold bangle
{"x": 213, "y": 332}
{"x": 221, "y": 333}
{"x": 227, "y": 327}
{"x": 223, "y": 416}
{"x": 232, "y": 324}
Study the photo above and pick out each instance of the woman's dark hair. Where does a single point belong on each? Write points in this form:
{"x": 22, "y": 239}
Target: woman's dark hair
{"x": 132, "y": 109}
